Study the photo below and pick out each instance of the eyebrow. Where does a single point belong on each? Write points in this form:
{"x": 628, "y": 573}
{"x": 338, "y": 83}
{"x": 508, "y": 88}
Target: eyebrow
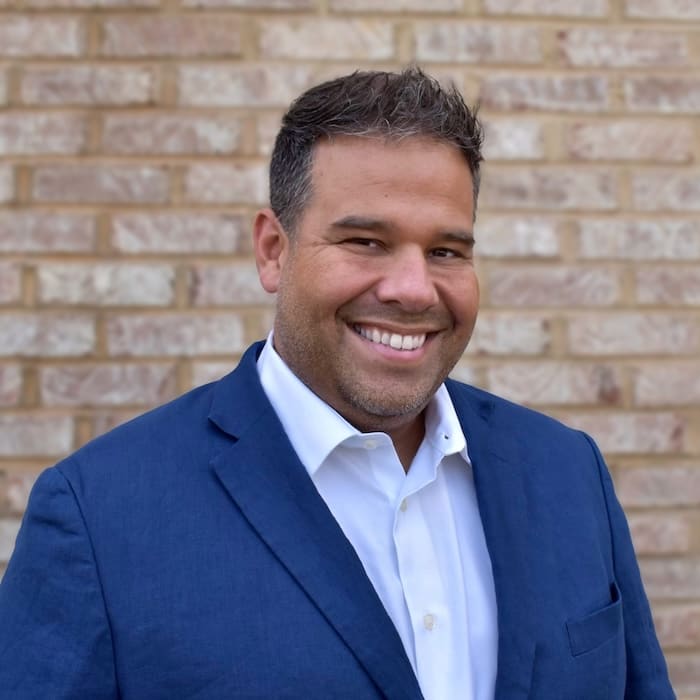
{"x": 366, "y": 223}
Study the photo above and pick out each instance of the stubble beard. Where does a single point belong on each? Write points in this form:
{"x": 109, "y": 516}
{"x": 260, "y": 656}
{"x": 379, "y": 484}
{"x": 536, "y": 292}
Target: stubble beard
{"x": 387, "y": 404}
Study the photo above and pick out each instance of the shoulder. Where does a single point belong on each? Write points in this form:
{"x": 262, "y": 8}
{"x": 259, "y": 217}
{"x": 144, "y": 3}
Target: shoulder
{"x": 543, "y": 446}
{"x": 156, "y": 442}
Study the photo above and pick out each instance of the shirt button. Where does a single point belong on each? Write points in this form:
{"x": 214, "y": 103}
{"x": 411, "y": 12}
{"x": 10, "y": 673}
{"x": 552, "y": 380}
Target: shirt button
{"x": 403, "y": 506}
{"x": 370, "y": 444}
{"x": 429, "y": 622}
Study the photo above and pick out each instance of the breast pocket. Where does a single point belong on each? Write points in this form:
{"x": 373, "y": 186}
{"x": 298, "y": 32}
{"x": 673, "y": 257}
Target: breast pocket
{"x": 596, "y": 628}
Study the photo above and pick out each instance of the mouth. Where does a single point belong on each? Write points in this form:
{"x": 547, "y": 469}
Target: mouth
{"x": 396, "y": 341}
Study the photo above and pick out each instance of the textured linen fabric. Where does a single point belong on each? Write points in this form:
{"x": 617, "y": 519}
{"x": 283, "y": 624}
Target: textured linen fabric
{"x": 188, "y": 554}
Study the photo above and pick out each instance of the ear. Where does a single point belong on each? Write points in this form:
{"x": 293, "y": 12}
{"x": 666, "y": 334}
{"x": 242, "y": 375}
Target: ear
{"x": 271, "y": 245}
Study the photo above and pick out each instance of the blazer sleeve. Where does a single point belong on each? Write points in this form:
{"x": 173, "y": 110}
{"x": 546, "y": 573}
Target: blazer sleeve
{"x": 55, "y": 640}
{"x": 647, "y": 676}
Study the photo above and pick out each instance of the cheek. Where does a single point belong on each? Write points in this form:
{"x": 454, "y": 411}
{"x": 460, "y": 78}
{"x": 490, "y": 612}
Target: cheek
{"x": 463, "y": 301}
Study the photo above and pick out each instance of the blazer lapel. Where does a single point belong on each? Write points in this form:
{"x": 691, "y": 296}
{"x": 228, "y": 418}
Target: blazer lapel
{"x": 498, "y": 466}
{"x": 264, "y": 477}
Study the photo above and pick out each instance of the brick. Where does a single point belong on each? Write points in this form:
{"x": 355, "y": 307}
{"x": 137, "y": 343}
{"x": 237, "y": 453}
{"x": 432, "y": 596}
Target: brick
{"x": 660, "y": 534}
{"x": 667, "y": 385}
{"x": 556, "y": 189}
{"x": 671, "y": 578}
{"x": 46, "y": 335}
{"x": 9, "y": 527}
{"x": 552, "y": 286}
{"x": 84, "y": 4}
{"x": 501, "y": 236}
{"x": 180, "y": 233}
{"x": 633, "y": 433}
{"x": 255, "y": 4}
{"x": 205, "y": 372}
{"x": 327, "y": 39}
{"x": 466, "y": 42}
{"x": 560, "y": 383}
{"x": 671, "y": 190}
{"x": 669, "y": 285}
{"x": 171, "y": 35}
{"x": 89, "y": 85}
{"x": 584, "y": 93}
{"x": 245, "y": 85}
{"x": 108, "y": 184}
{"x": 584, "y": 48}
{"x": 513, "y": 139}
{"x": 674, "y": 10}
{"x": 41, "y": 232}
{"x": 395, "y": 6}
{"x": 35, "y": 435}
{"x": 630, "y": 140}
{"x": 24, "y": 36}
{"x": 44, "y": 134}
{"x": 170, "y": 134}
{"x": 10, "y": 282}
{"x": 667, "y": 486}
{"x": 620, "y": 239}
{"x": 106, "y": 284}
{"x": 634, "y": 334}
{"x": 669, "y": 95}
{"x": 678, "y": 627}
{"x": 10, "y": 385}
{"x": 684, "y": 672}
{"x": 14, "y": 492}
{"x": 225, "y": 285}
{"x": 214, "y": 183}
{"x": 510, "y": 334}
{"x": 563, "y": 8}
{"x": 104, "y": 421}
{"x": 267, "y": 127}
{"x": 464, "y": 372}
{"x": 107, "y": 384}
{"x": 7, "y": 183}
{"x": 186, "y": 334}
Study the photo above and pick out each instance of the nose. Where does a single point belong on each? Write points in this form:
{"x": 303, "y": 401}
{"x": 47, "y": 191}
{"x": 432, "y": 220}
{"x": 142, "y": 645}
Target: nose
{"x": 407, "y": 281}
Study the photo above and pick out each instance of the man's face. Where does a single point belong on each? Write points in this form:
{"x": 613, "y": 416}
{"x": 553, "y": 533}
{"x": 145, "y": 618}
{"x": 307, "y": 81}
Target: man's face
{"x": 377, "y": 293}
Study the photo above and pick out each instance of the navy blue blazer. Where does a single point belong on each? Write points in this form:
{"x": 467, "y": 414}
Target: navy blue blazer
{"x": 187, "y": 554}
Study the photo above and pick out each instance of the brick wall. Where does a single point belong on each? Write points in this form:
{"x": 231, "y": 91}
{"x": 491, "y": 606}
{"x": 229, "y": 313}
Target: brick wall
{"x": 133, "y": 143}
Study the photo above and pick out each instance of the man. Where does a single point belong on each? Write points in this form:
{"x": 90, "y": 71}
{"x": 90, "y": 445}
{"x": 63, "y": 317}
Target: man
{"x": 335, "y": 518}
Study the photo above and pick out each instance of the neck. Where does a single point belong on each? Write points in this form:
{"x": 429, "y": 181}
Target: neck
{"x": 407, "y": 440}
{"x": 406, "y": 434}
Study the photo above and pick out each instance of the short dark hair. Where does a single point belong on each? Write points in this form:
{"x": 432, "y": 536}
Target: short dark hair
{"x": 366, "y": 103}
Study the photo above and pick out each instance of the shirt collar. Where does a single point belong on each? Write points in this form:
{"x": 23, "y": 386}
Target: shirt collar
{"x": 315, "y": 429}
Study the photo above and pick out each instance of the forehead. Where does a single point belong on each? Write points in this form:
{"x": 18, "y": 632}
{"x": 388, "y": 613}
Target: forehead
{"x": 354, "y": 171}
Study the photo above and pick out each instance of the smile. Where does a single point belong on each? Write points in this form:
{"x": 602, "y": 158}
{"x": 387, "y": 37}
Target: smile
{"x": 392, "y": 340}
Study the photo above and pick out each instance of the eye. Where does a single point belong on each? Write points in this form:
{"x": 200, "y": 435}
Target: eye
{"x": 446, "y": 253}
{"x": 370, "y": 243}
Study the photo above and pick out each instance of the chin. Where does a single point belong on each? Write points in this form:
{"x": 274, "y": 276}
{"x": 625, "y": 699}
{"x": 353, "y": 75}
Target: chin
{"x": 376, "y": 406}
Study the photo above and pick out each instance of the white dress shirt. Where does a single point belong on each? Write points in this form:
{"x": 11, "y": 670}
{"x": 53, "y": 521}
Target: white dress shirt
{"x": 418, "y": 534}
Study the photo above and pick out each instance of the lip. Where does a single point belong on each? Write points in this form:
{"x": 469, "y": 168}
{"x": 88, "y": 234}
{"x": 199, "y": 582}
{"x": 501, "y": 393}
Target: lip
{"x": 391, "y": 328}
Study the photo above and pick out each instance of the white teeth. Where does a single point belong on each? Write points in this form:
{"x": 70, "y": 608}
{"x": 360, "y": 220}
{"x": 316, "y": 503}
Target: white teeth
{"x": 393, "y": 340}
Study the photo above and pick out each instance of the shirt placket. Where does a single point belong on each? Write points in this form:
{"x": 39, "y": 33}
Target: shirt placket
{"x": 425, "y": 595}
